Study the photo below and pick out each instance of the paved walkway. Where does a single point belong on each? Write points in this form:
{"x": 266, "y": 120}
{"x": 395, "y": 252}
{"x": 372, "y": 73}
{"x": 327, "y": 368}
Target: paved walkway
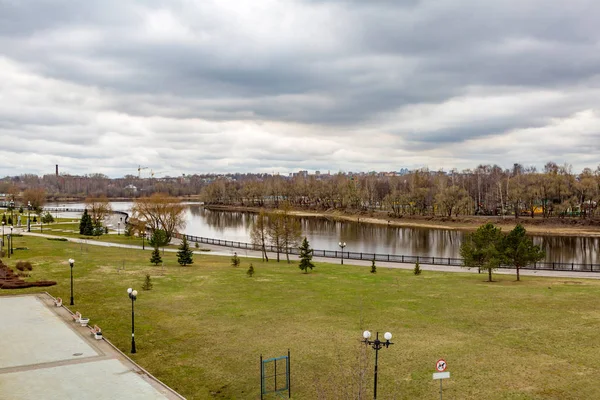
{"x": 46, "y": 355}
{"x": 226, "y": 251}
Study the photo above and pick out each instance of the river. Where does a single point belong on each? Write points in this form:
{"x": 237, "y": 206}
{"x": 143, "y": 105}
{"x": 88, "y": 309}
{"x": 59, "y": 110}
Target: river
{"x": 326, "y": 234}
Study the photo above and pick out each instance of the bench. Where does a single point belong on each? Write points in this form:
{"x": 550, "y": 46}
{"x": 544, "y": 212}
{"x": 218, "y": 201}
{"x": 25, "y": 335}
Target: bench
{"x": 58, "y": 302}
{"x": 97, "y": 332}
{"x": 76, "y": 317}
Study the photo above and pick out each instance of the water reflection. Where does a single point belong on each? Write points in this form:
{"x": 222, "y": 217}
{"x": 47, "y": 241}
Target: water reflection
{"x": 325, "y": 234}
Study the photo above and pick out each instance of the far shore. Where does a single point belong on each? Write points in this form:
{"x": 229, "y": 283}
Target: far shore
{"x": 537, "y": 226}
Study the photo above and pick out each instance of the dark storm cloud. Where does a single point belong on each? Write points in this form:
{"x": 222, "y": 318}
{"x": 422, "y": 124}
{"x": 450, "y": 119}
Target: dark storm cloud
{"x": 208, "y": 75}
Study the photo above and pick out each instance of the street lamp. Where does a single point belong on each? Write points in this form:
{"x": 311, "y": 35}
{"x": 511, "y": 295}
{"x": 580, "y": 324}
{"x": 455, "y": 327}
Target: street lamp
{"x": 342, "y": 245}
{"x": 118, "y": 228}
{"x": 133, "y": 296}
{"x": 72, "y": 263}
{"x": 11, "y": 239}
{"x": 377, "y": 345}
{"x": 3, "y": 223}
{"x": 28, "y": 216}
{"x": 143, "y": 236}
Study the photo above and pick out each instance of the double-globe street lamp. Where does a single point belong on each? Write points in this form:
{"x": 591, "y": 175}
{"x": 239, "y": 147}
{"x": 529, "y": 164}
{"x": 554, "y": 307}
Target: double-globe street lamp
{"x": 72, "y": 263}
{"x": 342, "y": 245}
{"x": 377, "y": 345}
{"x": 28, "y": 216}
{"x": 133, "y": 296}
{"x": 3, "y": 223}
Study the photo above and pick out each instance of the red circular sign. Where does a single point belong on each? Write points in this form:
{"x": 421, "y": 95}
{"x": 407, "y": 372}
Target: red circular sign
{"x": 441, "y": 365}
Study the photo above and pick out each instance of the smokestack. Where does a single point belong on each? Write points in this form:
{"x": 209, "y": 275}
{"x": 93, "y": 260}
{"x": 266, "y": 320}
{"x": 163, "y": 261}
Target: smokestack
{"x": 56, "y": 169}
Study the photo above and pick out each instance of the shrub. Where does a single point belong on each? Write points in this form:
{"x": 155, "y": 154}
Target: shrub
{"x": 373, "y": 267}
{"x": 235, "y": 260}
{"x": 417, "y": 270}
{"x": 59, "y": 239}
{"x": 24, "y": 266}
{"x": 250, "y": 271}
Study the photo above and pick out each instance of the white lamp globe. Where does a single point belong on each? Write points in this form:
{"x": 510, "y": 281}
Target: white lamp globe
{"x": 135, "y": 294}
{"x": 387, "y": 336}
{"x": 129, "y": 290}
{"x": 366, "y": 334}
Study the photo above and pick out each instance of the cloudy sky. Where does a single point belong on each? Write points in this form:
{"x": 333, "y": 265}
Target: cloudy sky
{"x": 189, "y": 86}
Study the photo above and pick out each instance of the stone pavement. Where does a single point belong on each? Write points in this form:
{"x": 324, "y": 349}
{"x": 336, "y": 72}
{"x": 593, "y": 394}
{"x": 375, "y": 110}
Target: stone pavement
{"x": 46, "y": 355}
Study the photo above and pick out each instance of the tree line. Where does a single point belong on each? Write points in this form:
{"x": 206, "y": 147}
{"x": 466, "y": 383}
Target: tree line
{"x": 486, "y": 190}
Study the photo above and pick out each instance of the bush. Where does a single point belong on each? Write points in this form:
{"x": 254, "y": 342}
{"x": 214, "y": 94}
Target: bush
{"x": 24, "y": 266}
{"x": 417, "y": 270}
{"x": 250, "y": 271}
{"x": 59, "y": 239}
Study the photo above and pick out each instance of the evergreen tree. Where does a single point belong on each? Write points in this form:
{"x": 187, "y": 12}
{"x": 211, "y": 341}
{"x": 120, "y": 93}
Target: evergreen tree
{"x": 417, "y": 269}
{"x": 483, "y": 249}
{"x": 147, "y": 285}
{"x": 373, "y": 267}
{"x": 10, "y": 221}
{"x": 250, "y": 271}
{"x": 4, "y": 219}
{"x": 235, "y": 260}
{"x": 185, "y": 254}
{"x": 158, "y": 238}
{"x": 86, "y": 227}
{"x": 155, "y": 258}
{"x": 305, "y": 257}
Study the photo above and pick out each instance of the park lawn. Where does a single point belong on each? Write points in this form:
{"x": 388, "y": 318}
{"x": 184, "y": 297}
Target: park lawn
{"x": 202, "y": 328}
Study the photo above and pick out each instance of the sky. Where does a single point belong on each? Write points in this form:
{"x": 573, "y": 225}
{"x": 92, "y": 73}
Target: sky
{"x": 188, "y": 86}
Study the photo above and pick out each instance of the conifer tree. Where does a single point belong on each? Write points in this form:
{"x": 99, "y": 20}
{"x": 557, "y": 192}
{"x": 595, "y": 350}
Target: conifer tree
{"x": 185, "y": 255}
{"x": 305, "y": 257}
{"x": 86, "y": 227}
{"x": 155, "y": 258}
{"x": 250, "y": 271}
{"x": 373, "y": 267}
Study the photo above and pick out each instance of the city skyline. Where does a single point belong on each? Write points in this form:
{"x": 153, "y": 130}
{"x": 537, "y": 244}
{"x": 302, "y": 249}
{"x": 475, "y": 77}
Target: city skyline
{"x": 280, "y": 86}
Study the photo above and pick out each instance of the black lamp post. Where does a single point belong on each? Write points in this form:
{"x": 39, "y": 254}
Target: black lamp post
{"x": 133, "y": 296}
{"x": 118, "y": 228}
{"x": 143, "y": 237}
{"x": 28, "y": 216}
{"x": 72, "y": 263}
{"x": 10, "y": 241}
{"x": 3, "y": 223}
{"x": 342, "y": 245}
{"x": 377, "y": 345}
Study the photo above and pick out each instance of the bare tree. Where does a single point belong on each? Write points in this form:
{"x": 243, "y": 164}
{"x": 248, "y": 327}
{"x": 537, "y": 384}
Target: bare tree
{"x": 160, "y": 211}
{"x": 259, "y": 234}
{"x": 98, "y": 209}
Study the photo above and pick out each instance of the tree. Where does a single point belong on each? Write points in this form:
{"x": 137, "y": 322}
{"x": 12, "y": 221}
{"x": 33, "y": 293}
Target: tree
{"x": 276, "y": 232}
{"x": 185, "y": 255}
{"x": 291, "y": 230}
{"x": 235, "y": 260}
{"x": 155, "y": 258}
{"x": 86, "y": 226}
{"x": 250, "y": 271}
{"x": 160, "y": 211}
{"x": 373, "y": 267}
{"x": 305, "y": 256}
{"x": 46, "y": 219}
{"x": 35, "y": 197}
{"x": 158, "y": 238}
{"x": 519, "y": 249}
{"x": 147, "y": 285}
{"x": 417, "y": 269}
{"x": 260, "y": 233}
{"x": 98, "y": 209}
{"x": 482, "y": 249}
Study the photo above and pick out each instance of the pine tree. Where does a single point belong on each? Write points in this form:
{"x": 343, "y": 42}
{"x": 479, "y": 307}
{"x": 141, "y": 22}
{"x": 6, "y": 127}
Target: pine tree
{"x": 235, "y": 260}
{"x": 155, "y": 258}
{"x": 147, "y": 285}
{"x": 185, "y": 254}
{"x": 250, "y": 271}
{"x": 373, "y": 267}
{"x": 417, "y": 270}
{"x": 86, "y": 227}
{"x": 305, "y": 257}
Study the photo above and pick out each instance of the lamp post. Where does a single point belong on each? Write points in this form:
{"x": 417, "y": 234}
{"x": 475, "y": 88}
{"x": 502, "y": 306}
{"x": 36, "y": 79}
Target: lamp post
{"x": 133, "y": 296}
{"x": 342, "y": 245}
{"x": 28, "y": 216}
{"x": 72, "y": 263}
{"x": 11, "y": 239}
{"x": 3, "y": 223}
{"x": 143, "y": 236}
{"x": 41, "y": 222}
{"x": 377, "y": 345}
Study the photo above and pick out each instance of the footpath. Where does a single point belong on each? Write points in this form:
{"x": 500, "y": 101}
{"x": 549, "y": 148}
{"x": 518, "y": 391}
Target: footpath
{"x": 226, "y": 251}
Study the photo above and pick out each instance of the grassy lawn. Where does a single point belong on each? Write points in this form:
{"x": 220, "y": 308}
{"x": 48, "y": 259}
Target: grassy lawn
{"x": 202, "y": 328}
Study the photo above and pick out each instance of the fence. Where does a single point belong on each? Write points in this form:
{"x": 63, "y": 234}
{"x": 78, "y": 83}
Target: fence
{"x": 349, "y": 255}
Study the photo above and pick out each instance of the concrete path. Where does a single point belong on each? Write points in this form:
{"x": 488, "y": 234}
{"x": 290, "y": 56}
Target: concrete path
{"x": 47, "y": 355}
{"x": 226, "y": 251}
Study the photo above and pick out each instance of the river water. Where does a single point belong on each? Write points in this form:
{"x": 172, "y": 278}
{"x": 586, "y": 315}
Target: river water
{"x": 325, "y": 234}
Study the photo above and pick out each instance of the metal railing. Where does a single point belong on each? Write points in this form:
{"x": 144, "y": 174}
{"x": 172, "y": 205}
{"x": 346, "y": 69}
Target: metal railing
{"x": 408, "y": 259}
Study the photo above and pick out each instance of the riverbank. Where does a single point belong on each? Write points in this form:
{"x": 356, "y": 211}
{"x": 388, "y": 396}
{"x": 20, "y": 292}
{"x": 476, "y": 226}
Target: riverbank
{"x": 537, "y": 225}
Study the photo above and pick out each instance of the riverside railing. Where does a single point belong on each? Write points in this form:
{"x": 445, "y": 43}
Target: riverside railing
{"x": 407, "y": 259}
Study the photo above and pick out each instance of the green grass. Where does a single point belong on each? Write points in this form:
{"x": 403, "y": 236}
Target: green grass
{"x": 202, "y": 328}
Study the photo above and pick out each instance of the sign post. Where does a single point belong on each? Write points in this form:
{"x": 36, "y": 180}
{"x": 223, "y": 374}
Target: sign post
{"x": 440, "y": 367}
